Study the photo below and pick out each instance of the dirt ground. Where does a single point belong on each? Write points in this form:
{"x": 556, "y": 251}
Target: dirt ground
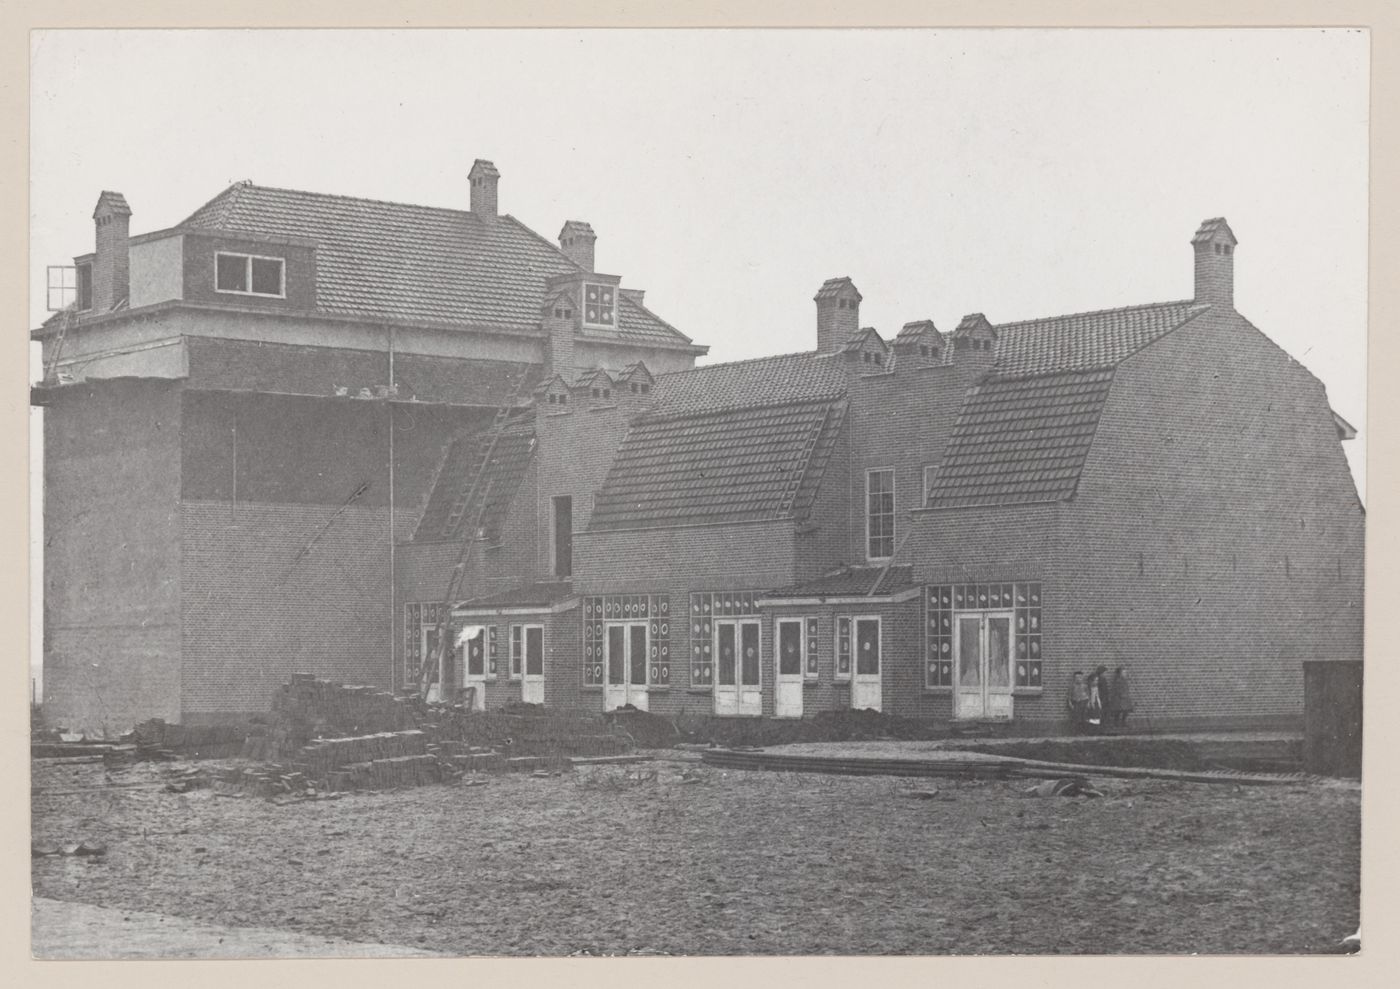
{"x": 674, "y": 857}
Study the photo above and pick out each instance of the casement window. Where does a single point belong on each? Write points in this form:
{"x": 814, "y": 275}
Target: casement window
{"x": 879, "y": 513}
{"x": 249, "y": 274}
{"x": 599, "y": 305}
{"x": 797, "y": 647}
{"x": 843, "y": 649}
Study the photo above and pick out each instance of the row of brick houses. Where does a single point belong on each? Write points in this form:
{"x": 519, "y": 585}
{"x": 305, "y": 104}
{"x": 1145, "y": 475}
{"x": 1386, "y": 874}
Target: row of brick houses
{"x": 268, "y": 436}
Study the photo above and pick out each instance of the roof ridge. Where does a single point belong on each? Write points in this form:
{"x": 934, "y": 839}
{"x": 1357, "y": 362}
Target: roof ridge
{"x": 661, "y": 416}
{"x": 245, "y": 184}
{"x": 1101, "y": 312}
{"x": 746, "y": 360}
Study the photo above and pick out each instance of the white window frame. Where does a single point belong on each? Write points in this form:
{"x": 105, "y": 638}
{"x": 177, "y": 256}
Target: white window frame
{"x": 583, "y": 305}
{"x": 248, "y": 260}
{"x": 524, "y": 651}
{"x": 802, "y": 647}
{"x": 515, "y": 652}
{"x": 837, "y": 675}
{"x": 894, "y": 512}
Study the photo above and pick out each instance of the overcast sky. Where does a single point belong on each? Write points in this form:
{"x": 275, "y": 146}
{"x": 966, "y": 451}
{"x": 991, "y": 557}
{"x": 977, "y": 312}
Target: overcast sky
{"x": 1013, "y": 172}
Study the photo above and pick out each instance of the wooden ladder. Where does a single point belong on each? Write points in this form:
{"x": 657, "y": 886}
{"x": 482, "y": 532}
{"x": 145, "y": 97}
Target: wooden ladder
{"x": 469, "y": 538}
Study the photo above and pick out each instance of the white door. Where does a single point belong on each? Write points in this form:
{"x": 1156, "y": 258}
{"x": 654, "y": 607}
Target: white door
{"x": 983, "y": 648}
{"x": 472, "y": 651}
{"x": 865, "y": 683}
{"x": 738, "y": 668}
{"x": 532, "y": 681}
{"x": 625, "y": 665}
{"x": 787, "y": 691}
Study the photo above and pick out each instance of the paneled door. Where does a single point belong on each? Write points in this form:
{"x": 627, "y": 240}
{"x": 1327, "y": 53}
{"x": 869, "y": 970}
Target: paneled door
{"x": 625, "y": 665}
{"x": 738, "y": 668}
{"x": 865, "y": 683}
{"x": 532, "y": 680}
{"x": 787, "y": 690}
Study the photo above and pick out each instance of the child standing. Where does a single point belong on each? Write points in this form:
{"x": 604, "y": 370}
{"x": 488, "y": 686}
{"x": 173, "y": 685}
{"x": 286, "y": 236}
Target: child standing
{"x": 1077, "y": 702}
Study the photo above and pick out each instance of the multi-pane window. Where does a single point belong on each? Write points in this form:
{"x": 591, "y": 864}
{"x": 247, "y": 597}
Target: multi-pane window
{"x": 945, "y": 604}
{"x": 879, "y": 513}
{"x": 516, "y": 650}
{"x": 248, "y": 274}
{"x": 599, "y": 305}
{"x": 843, "y": 648}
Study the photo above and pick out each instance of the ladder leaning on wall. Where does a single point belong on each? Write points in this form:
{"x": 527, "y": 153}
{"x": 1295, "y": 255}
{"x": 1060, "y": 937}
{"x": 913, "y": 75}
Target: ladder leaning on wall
{"x": 477, "y": 493}
{"x": 68, "y": 315}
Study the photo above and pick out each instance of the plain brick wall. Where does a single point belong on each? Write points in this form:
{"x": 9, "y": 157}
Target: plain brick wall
{"x": 253, "y": 613}
{"x": 111, "y": 555}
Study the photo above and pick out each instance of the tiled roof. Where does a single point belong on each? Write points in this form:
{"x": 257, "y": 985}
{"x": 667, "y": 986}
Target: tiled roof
{"x": 910, "y": 332}
{"x": 447, "y": 514}
{"x": 542, "y": 595}
{"x": 851, "y": 581}
{"x": 415, "y": 262}
{"x": 735, "y": 465}
{"x": 1020, "y": 440}
{"x": 776, "y": 380}
{"x": 1082, "y": 341}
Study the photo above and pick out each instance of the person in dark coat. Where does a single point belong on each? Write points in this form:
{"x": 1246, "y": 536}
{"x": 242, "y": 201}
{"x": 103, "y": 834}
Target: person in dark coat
{"x": 1077, "y": 702}
{"x": 1122, "y": 697}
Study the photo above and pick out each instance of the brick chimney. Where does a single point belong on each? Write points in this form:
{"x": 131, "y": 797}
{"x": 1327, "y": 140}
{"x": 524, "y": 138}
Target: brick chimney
{"x": 110, "y": 264}
{"x": 919, "y": 344}
{"x": 483, "y": 178}
{"x": 559, "y": 319}
{"x": 576, "y": 240}
{"x": 1214, "y": 245}
{"x": 838, "y": 314}
{"x": 974, "y": 343}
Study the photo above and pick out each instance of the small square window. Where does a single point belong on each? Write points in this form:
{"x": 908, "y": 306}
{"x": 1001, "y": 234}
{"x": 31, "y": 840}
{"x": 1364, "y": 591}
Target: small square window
{"x": 923, "y": 350}
{"x": 599, "y": 305}
{"x": 645, "y": 388}
{"x": 593, "y": 392}
{"x": 607, "y": 393}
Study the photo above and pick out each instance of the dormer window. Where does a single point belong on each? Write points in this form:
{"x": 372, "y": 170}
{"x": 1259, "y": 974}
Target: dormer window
{"x": 249, "y": 274}
{"x": 599, "y": 305}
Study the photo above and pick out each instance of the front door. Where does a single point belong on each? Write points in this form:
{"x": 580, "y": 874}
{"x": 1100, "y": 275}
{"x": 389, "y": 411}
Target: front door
{"x": 738, "y": 676}
{"x": 865, "y": 684}
{"x": 532, "y": 682}
{"x": 983, "y": 648}
{"x": 787, "y": 691}
{"x": 625, "y": 665}
{"x": 473, "y": 644}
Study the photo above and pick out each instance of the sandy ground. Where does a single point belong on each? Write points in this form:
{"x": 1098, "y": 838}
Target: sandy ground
{"x": 696, "y": 860}
{"x": 66, "y": 931}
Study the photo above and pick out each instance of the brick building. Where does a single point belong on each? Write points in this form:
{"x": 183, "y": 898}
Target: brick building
{"x": 943, "y": 525}
{"x": 245, "y": 413}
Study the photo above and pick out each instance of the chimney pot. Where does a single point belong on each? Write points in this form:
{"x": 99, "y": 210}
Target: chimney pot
{"x": 484, "y": 178}
{"x": 838, "y": 314}
{"x": 576, "y": 240}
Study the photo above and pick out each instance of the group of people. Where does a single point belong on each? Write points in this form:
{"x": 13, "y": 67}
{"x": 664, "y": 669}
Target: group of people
{"x": 1101, "y": 701}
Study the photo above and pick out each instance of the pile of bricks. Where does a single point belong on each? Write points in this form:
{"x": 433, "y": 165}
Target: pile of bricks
{"x": 155, "y": 739}
{"x": 324, "y": 737}
{"x": 308, "y": 708}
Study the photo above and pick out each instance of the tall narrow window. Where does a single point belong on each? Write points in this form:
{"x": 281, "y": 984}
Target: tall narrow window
{"x": 879, "y": 513}
{"x": 563, "y": 536}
